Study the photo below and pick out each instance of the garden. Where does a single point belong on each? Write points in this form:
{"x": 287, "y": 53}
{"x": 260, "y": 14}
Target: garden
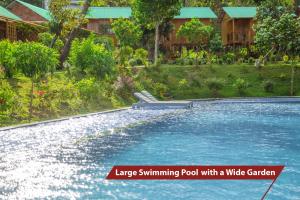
{"x": 65, "y": 73}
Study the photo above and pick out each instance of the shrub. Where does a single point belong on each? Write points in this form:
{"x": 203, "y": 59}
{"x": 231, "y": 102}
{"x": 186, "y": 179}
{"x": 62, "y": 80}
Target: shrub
{"x": 229, "y": 58}
{"x": 106, "y": 41}
{"x": 215, "y": 85}
{"x": 241, "y": 85}
{"x": 7, "y": 60}
{"x": 285, "y": 59}
{"x": 46, "y": 39}
{"x": 6, "y": 96}
{"x": 35, "y": 60}
{"x": 141, "y": 56}
{"x": 183, "y": 83}
{"x": 268, "y": 86}
{"x": 86, "y": 88}
{"x": 91, "y": 58}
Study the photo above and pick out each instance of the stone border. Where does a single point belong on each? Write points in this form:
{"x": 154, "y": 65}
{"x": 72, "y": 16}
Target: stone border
{"x": 61, "y": 119}
{"x": 126, "y": 108}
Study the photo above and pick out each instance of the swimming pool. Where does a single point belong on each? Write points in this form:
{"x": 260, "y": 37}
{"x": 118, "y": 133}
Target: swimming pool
{"x": 70, "y": 159}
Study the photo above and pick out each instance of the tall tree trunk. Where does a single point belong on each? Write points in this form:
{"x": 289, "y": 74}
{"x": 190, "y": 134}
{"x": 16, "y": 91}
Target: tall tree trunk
{"x": 31, "y": 100}
{"x": 73, "y": 33}
{"x": 292, "y": 79}
{"x": 156, "y": 44}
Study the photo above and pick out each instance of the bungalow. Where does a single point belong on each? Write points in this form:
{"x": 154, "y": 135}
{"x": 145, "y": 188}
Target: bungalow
{"x": 8, "y": 21}
{"x": 237, "y": 25}
{"x": 204, "y": 14}
{"x": 28, "y": 12}
{"x": 100, "y": 19}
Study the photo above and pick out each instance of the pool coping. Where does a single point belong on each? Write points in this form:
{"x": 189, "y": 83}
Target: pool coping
{"x": 61, "y": 119}
{"x": 126, "y": 108}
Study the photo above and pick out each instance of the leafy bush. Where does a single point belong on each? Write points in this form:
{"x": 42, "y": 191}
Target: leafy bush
{"x": 7, "y": 96}
{"x": 91, "y": 58}
{"x": 34, "y": 59}
{"x": 268, "y": 86}
{"x": 229, "y": 58}
{"x": 106, "y": 41}
{"x": 215, "y": 84}
{"x": 183, "y": 84}
{"x": 241, "y": 85}
{"x": 7, "y": 60}
{"x": 141, "y": 56}
{"x": 46, "y": 39}
{"x": 86, "y": 88}
{"x": 285, "y": 59}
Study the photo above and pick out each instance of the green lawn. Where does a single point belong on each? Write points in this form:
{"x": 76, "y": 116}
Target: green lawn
{"x": 196, "y": 78}
{"x": 63, "y": 98}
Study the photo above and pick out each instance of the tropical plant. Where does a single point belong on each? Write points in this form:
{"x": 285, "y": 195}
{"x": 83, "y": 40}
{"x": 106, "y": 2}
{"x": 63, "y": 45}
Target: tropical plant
{"x": 196, "y": 33}
{"x": 241, "y": 85}
{"x": 127, "y": 32}
{"x": 35, "y": 60}
{"x": 152, "y": 13}
{"x": 47, "y": 39}
{"x": 7, "y": 61}
{"x": 215, "y": 84}
{"x": 90, "y": 58}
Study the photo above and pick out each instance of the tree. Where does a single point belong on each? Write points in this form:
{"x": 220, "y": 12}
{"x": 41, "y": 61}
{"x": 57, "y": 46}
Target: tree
{"x": 61, "y": 16}
{"x": 196, "y": 32}
{"x": 282, "y": 36}
{"x": 93, "y": 59}
{"x": 74, "y": 30}
{"x": 34, "y": 60}
{"x": 152, "y": 13}
{"x": 127, "y": 32}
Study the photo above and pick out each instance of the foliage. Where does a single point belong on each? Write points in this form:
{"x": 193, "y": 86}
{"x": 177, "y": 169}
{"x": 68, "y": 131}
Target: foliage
{"x": 7, "y": 61}
{"x": 241, "y": 85}
{"x": 91, "y": 58}
{"x": 229, "y": 58}
{"x": 215, "y": 84}
{"x": 196, "y": 32}
{"x": 112, "y": 3}
{"x": 46, "y": 39}
{"x": 34, "y": 59}
{"x": 285, "y": 58}
{"x": 215, "y": 43}
{"x": 7, "y": 97}
{"x": 268, "y": 86}
{"x": 127, "y": 32}
{"x": 280, "y": 34}
{"x": 152, "y": 13}
{"x": 106, "y": 41}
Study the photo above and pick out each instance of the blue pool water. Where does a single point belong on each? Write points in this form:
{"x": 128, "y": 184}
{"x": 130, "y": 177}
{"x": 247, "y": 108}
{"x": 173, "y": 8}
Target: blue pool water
{"x": 70, "y": 159}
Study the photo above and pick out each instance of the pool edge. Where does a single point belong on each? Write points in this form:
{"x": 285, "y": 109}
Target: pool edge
{"x": 61, "y": 119}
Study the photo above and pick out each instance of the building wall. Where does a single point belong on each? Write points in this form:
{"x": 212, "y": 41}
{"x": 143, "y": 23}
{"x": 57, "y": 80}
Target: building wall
{"x": 237, "y": 31}
{"x": 102, "y": 27}
{"x": 2, "y": 30}
{"x": 24, "y": 13}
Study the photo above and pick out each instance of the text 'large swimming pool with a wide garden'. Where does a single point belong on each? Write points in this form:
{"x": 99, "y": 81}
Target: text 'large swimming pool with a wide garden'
{"x": 70, "y": 159}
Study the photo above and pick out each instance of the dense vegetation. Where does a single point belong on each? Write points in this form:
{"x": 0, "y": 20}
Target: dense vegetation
{"x": 64, "y": 73}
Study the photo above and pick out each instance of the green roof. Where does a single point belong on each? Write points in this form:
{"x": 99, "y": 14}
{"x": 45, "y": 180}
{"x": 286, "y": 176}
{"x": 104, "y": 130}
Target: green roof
{"x": 108, "y": 12}
{"x": 240, "y": 12}
{"x": 6, "y": 13}
{"x": 125, "y": 12}
{"x": 196, "y": 12}
{"x": 40, "y": 11}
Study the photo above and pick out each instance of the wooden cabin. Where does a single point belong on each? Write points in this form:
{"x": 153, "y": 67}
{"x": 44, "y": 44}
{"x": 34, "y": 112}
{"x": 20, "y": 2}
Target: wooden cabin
{"x": 237, "y": 26}
{"x": 8, "y": 21}
{"x": 204, "y": 14}
{"x": 100, "y": 19}
{"x": 28, "y": 12}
